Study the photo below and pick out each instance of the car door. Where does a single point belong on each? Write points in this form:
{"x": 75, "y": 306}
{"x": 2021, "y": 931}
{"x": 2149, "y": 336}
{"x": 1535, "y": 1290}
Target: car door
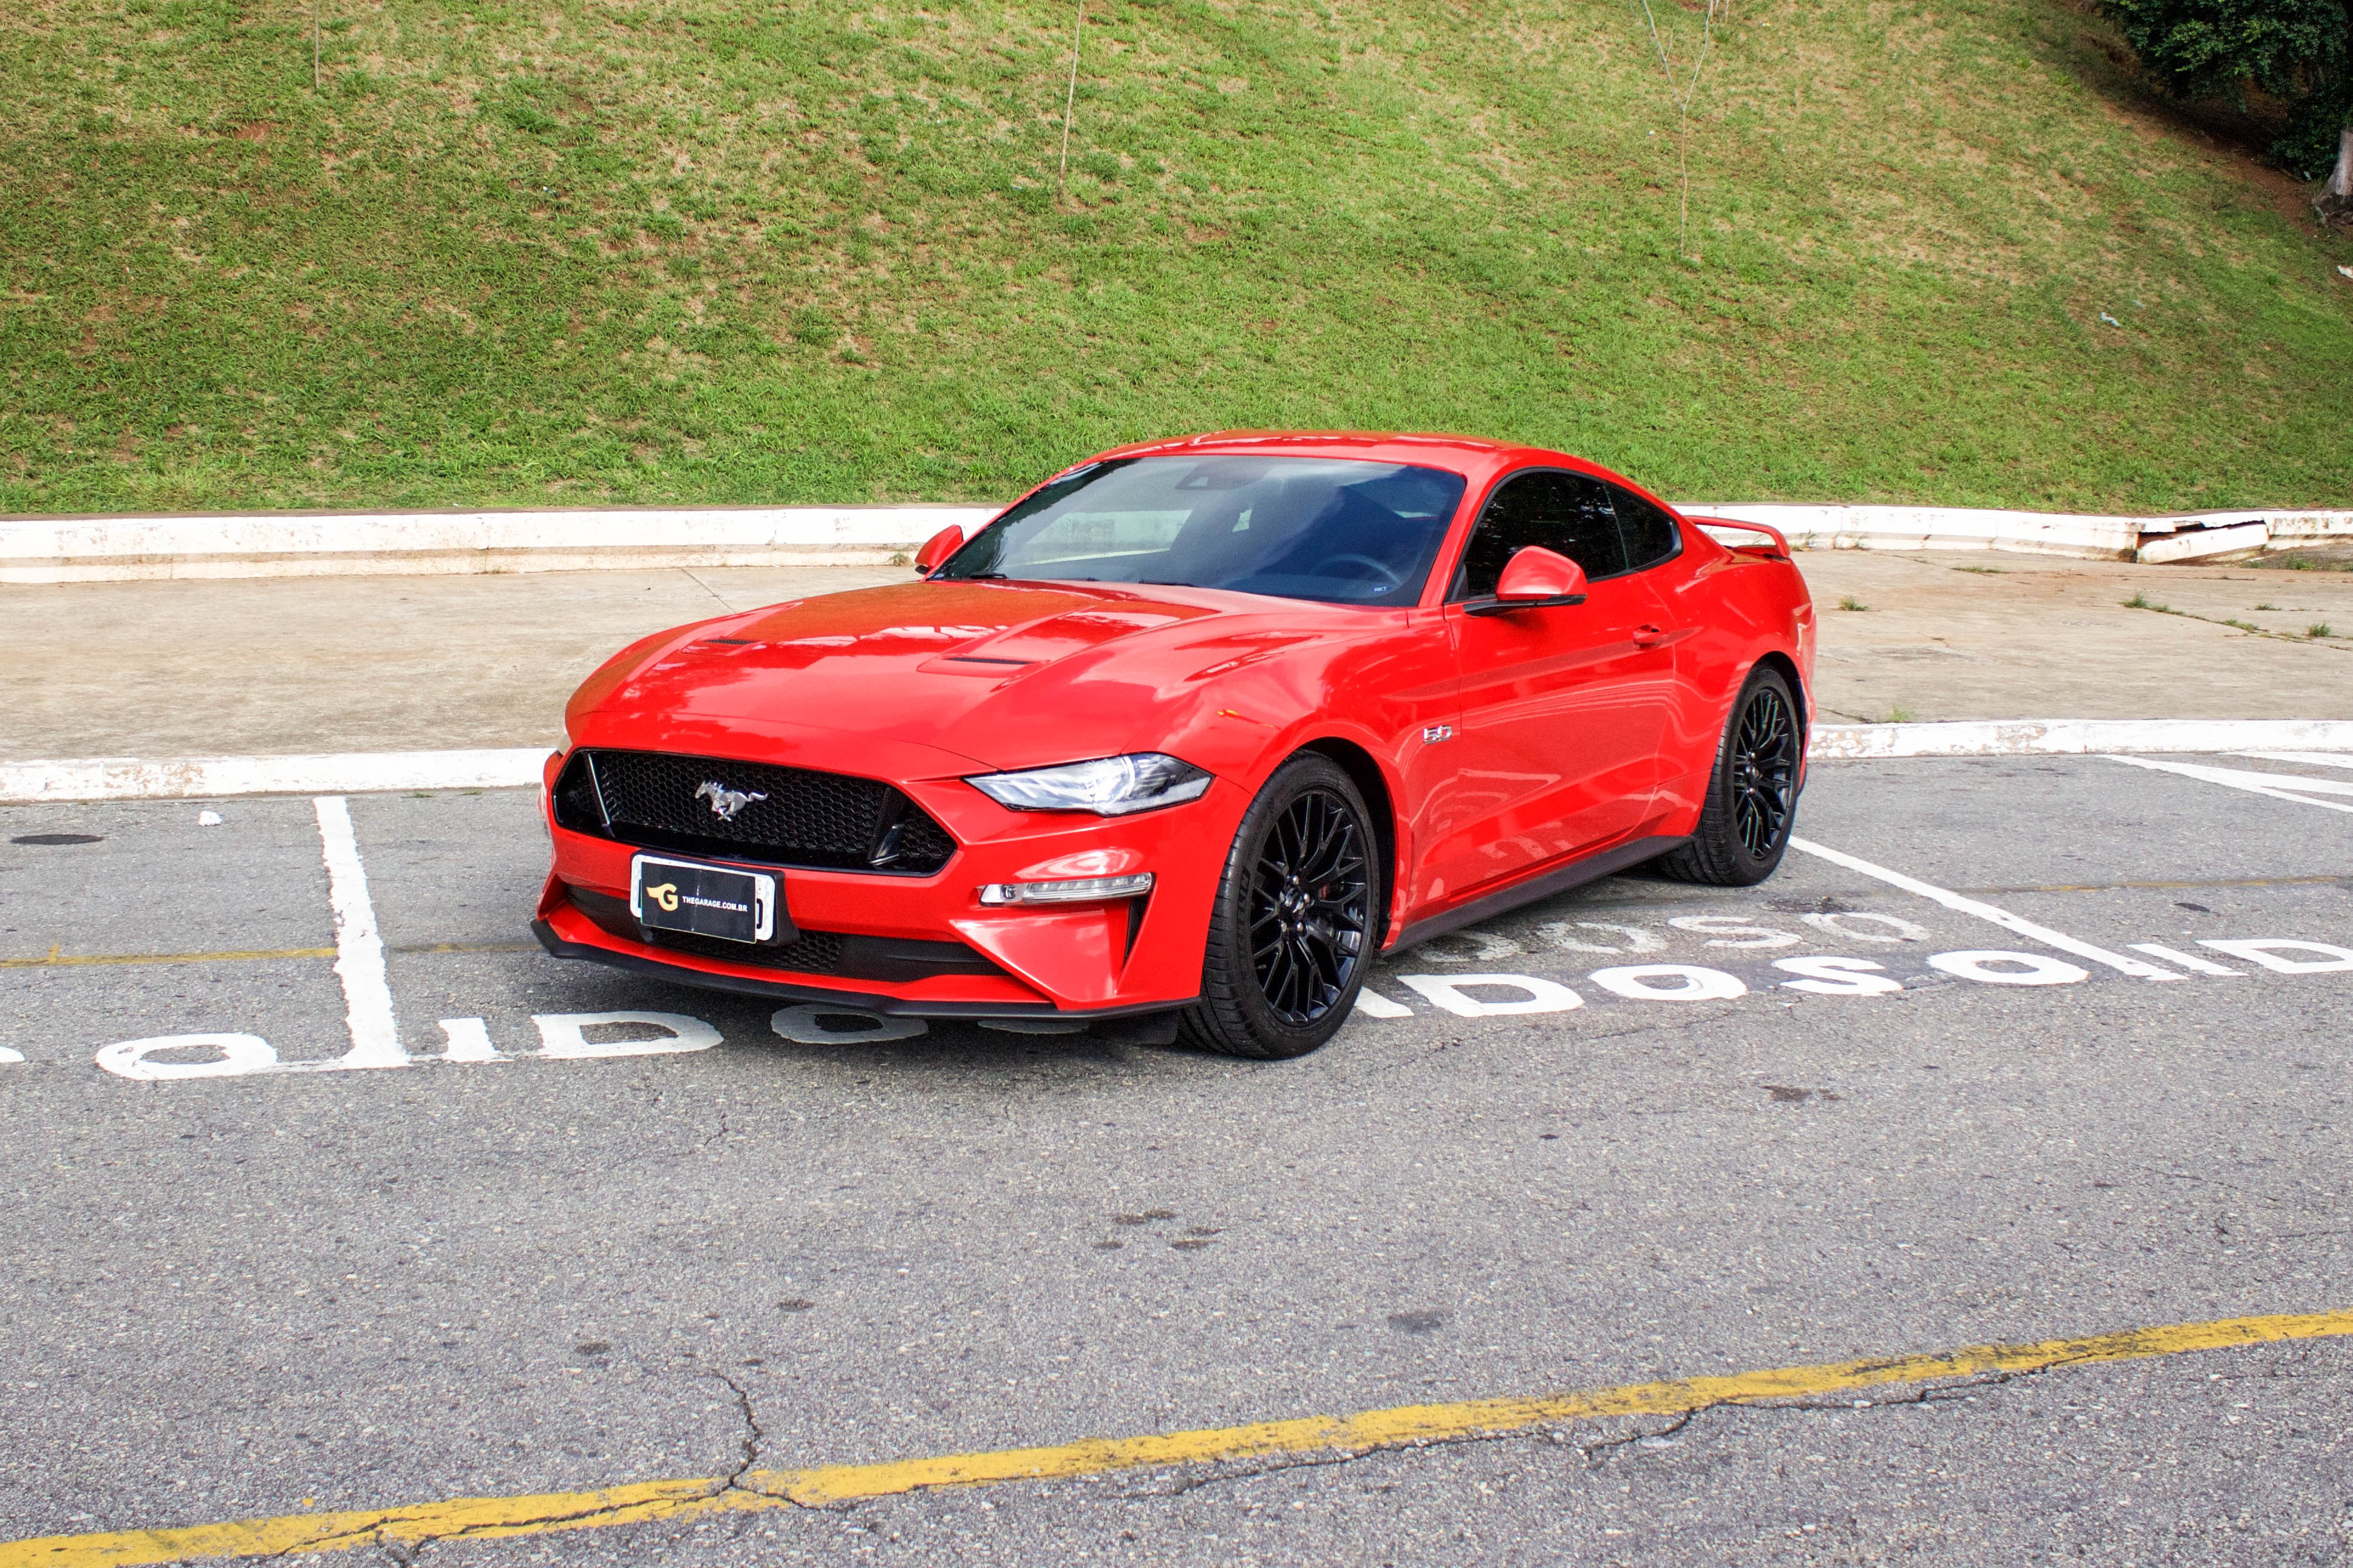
{"x": 1562, "y": 710}
{"x": 1695, "y": 716}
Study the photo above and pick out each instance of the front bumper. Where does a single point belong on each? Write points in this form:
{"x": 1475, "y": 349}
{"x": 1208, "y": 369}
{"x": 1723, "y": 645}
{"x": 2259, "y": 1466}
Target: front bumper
{"x": 1070, "y": 962}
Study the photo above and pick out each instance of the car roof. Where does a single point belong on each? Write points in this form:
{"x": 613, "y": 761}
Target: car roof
{"x": 1470, "y": 455}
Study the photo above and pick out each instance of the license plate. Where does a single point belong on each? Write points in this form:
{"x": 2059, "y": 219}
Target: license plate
{"x": 708, "y": 900}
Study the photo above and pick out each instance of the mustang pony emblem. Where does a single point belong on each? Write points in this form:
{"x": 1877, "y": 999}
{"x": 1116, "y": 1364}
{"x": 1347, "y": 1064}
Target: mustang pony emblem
{"x": 725, "y": 801}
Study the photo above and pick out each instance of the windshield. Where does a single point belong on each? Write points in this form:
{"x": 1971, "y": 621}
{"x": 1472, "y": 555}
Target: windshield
{"x": 1339, "y": 529}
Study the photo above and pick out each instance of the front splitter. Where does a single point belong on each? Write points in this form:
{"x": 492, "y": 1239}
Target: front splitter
{"x": 874, "y": 1002}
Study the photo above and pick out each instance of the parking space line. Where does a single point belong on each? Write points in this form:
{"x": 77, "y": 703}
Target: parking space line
{"x": 2323, "y": 878}
{"x": 2188, "y": 961}
{"x": 359, "y": 946}
{"x": 2307, "y": 758}
{"x": 1985, "y": 911}
{"x": 2278, "y": 786}
{"x": 1370, "y": 1431}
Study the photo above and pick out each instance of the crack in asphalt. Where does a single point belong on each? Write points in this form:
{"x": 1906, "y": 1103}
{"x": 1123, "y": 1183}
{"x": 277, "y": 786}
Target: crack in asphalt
{"x": 753, "y": 1437}
{"x": 1592, "y": 1452}
{"x": 405, "y": 1549}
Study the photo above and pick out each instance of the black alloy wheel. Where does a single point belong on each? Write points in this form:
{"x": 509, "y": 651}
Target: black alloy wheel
{"x": 1751, "y": 793}
{"x": 1764, "y": 772}
{"x": 1293, "y": 924}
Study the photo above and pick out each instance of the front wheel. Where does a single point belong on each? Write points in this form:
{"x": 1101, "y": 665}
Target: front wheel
{"x": 1293, "y": 927}
{"x": 1751, "y": 793}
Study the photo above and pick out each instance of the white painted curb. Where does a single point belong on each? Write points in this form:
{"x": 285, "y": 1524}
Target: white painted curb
{"x": 130, "y": 549}
{"x": 2078, "y": 737}
{"x": 2145, "y": 538}
{"x": 361, "y": 773}
{"x": 207, "y": 778}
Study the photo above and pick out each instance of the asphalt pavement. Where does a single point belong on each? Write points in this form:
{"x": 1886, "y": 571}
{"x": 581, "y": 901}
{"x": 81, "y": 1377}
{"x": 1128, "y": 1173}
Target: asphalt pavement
{"x": 1642, "y": 1130}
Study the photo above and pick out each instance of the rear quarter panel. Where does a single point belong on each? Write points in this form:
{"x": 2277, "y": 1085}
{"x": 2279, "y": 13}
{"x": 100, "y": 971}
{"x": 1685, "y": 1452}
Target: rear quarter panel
{"x": 1740, "y": 609}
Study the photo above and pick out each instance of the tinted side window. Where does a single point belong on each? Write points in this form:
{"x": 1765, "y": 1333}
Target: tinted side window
{"x": 1651, "y": 534}
{"x": 1566, "y": 513}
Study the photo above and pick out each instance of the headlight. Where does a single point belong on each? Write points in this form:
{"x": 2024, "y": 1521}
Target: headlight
{"x": 1108, "y": 786}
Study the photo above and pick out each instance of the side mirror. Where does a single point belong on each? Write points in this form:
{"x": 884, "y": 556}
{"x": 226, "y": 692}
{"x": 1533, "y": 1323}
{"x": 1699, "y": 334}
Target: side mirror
{"x": 938, "y": 548}
{"x": 1534, "y": 579}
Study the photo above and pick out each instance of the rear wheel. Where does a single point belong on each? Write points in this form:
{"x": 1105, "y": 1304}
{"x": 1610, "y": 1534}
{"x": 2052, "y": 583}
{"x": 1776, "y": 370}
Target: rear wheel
{"x": 1293, "y": 926}
{"x": 1752, "y": 795}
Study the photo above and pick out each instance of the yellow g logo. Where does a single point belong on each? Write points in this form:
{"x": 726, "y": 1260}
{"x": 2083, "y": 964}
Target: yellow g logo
{"x": 666, "y": 895}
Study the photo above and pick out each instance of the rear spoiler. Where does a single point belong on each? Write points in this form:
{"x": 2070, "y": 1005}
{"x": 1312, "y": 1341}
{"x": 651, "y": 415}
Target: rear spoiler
{"x": 1772, "y": 548}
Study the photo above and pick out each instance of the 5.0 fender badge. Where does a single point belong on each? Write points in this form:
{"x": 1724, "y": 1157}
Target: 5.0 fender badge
{"x": 725, "y": 801}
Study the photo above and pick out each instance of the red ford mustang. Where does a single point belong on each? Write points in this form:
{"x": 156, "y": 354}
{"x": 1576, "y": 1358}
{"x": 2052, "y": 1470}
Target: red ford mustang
{"x": 1185, "y": 736}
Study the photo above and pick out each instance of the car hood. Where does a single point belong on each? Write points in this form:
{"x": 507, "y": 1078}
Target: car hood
{"x": 1005, "y": 674}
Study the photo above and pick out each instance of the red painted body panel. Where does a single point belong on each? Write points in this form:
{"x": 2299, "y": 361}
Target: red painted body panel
{"x": 924, "y": 683}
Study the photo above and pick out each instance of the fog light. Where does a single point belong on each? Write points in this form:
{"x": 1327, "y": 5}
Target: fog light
{"x": 1073, "y": 892}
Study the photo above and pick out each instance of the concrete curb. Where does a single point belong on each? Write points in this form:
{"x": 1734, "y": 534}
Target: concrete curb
{"x": 2192, "y": 536}
{"x": 131, "y": 549}
{"x": 2077, "y": 737}
{"x": 361, "y": 773}
{"x": 326, "y": 544}
{"x": 212, "y": 778}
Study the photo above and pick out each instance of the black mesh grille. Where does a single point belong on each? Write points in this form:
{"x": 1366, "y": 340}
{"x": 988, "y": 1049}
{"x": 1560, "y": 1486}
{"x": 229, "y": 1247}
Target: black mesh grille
{"x": 842, "y": 954}
{"x": 790, "y": 817}
{"x": 817, "y": 953}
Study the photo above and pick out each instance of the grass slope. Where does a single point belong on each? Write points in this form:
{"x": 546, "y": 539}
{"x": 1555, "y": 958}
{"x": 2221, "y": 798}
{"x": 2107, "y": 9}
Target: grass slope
{"x": 712, "y": 251}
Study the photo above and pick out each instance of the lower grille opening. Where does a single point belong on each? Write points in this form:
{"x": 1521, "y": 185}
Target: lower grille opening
{"x": 844, "y": 955}
{"x": 817, "y": 953}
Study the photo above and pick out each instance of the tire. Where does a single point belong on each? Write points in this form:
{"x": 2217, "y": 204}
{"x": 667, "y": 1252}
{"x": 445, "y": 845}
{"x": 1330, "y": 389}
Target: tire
{"x": 1303, "y": 878}
{"x": 1752, "y": 792}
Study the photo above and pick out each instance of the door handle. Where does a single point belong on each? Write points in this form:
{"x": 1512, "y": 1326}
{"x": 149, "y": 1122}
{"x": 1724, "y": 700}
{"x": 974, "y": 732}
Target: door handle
{"x": 1647, "y": 636}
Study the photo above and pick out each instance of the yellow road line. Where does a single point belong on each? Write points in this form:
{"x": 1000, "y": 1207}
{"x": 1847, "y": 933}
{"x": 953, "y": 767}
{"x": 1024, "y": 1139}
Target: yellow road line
{"x": 55, "y": 959}
{"x": 1398, "y": 1427}
{"x": 75, "y": 959}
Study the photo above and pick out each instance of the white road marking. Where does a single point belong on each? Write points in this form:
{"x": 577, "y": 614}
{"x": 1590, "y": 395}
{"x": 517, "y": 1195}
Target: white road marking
{"x": 1985, "y": 911}
{"x": 1838, "y": 976}
{"x": 2305, "y": 759}
{"x": 2188, "y": 961}
{"x": 2035, "y": 968}
{"x": 2279, "y": 786}
{"x": 1690, "y": 983}
{"x": 469, "y": 1041}
{"x": 1373, "y": 1005}
{"x": 1637, "y": 939}
{"x": 1486, "y": 946}
{"x": 8, "y": 1054}
{"x": 1450, "y": 992}
{"x": 564, "y": 1035}
{"x": 359, "y": 946}
{"x": 1724, "y": 928}
{"x": 1898, "y": 928}
{"x": 239, "y": 1055}
{"x": 807, "y": 1025}
{"x": 2333, "y": 957}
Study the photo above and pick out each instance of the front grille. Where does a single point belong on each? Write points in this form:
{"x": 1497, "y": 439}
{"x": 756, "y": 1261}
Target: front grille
{"x": 795, "y": 816}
